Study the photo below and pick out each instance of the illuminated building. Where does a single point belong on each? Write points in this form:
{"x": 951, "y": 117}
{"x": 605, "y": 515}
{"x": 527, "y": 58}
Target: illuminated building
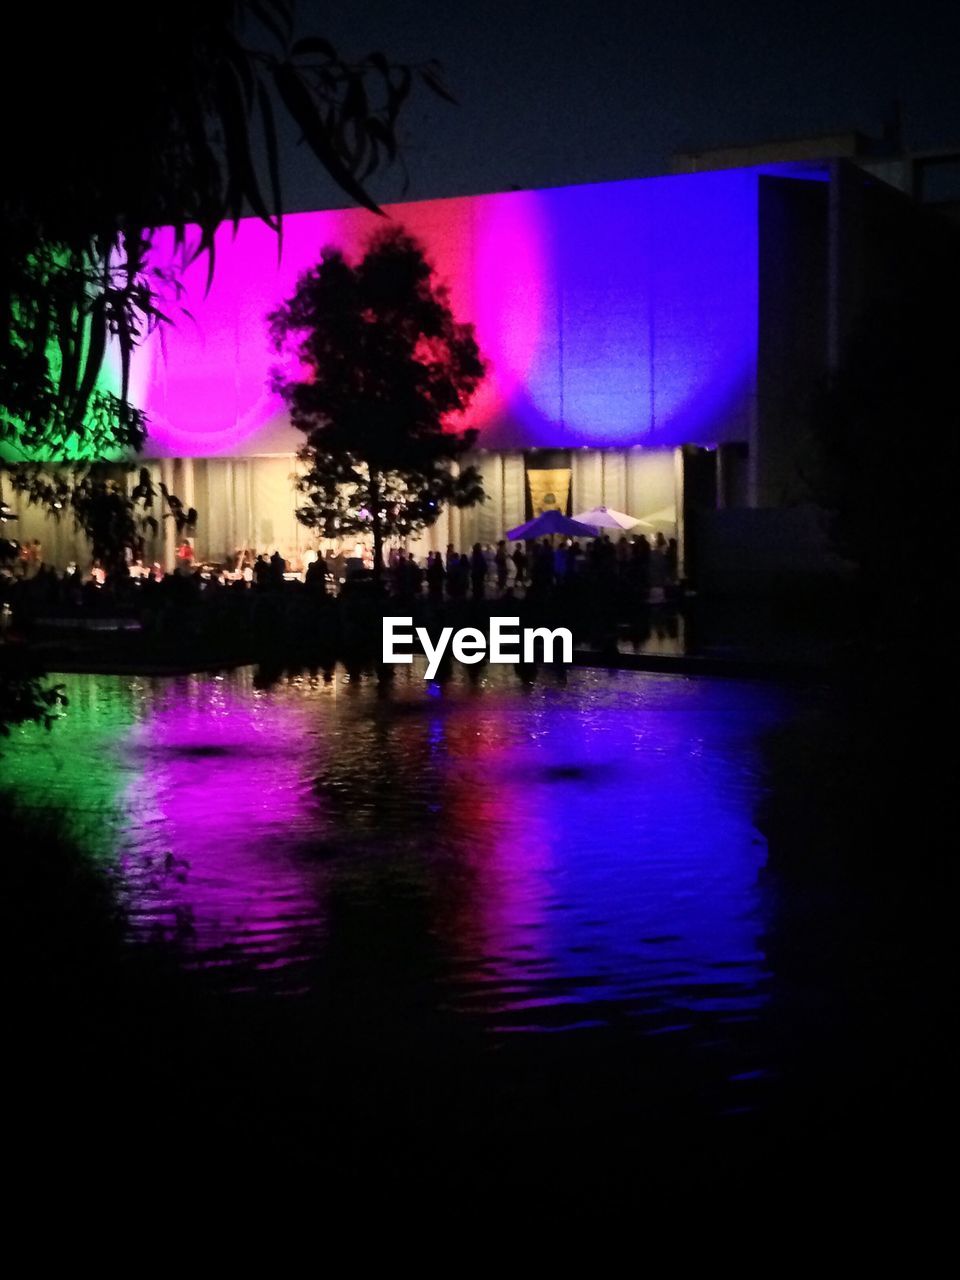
{"x": 655, "y": 341}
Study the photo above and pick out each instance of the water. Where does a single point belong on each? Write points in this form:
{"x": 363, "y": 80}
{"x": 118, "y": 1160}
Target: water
{"x": 564, "y": 875}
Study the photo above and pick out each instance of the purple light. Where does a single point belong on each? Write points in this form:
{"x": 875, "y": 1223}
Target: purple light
{"x": 586, "y": 844}
{"x": 614, "y": 314}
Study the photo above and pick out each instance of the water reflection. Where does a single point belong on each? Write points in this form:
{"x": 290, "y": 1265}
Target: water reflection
{"x": 553, "y": 857}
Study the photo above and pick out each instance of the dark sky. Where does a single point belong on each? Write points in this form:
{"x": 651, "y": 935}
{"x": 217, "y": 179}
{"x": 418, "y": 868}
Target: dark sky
{"x": 592, "y": 90}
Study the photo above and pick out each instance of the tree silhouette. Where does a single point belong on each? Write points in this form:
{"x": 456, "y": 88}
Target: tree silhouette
{"x": 382, "y": 368}
{"x": 114, "y": 515}
{"x": 120, "y": 131}
{"x": 114, "y": 140}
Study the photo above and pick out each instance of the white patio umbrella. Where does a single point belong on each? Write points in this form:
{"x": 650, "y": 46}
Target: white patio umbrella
{"x": 606, "y": 518}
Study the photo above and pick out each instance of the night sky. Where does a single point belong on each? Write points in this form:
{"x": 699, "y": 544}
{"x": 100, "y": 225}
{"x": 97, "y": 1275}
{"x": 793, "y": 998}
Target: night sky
{"x": 595, "y": 90}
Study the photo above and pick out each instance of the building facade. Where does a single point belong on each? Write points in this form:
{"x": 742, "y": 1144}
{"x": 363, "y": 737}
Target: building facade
{"x": 651, "y": 345}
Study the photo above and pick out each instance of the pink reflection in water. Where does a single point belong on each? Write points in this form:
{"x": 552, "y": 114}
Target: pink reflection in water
{"x": 507, "y": 845}
{"x": 550, "y": 855}
{"x": 221, "y": 793}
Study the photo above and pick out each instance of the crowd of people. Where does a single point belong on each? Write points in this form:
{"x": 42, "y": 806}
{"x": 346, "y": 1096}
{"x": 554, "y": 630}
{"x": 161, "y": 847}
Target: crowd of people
{"x": 634, "y": 563}
{"x": 600, "y": 575}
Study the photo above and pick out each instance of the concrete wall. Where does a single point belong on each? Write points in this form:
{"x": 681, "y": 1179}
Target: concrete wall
{"x": 793, "y": 331}
{"x": 610, "y": 315}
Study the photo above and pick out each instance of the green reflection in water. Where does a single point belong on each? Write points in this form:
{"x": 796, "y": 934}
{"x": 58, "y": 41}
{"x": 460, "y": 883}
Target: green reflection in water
{"x": 83, "y": 767}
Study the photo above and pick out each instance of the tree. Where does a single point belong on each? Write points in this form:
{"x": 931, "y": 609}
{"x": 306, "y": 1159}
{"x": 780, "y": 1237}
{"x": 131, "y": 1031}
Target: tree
{"x": 25, "y": 697}
{"x": 115, "y": 516}
{"x": 383, "y": 368}
{"x": 120, "y": 132}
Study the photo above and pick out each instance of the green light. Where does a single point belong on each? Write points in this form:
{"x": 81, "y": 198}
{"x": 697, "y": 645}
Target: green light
{"x": 42, "y": 288}
{"x": 51, "y": 768}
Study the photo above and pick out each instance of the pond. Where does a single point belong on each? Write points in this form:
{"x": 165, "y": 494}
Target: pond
{"x": 555, "y": 891}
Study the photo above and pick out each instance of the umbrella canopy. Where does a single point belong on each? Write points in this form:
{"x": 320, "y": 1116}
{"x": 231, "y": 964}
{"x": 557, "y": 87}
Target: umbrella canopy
{"x": 550, "y": 522}
{"x": 606, "y": 518}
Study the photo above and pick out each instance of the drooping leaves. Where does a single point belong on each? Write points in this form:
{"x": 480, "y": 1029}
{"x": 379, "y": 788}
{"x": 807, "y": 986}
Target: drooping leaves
{"x": 113, "y": 514}
{"x": 192, "y": 142}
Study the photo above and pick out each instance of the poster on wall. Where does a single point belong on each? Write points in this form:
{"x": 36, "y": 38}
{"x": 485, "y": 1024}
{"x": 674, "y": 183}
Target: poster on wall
{"x": 549, "y": 490}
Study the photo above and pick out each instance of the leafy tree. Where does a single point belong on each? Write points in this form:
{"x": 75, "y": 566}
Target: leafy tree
{"x": 120, "y": 131}
{"x": 117, "y": 130}
{"x": 25, "y": 697}
{"x": 382, "y": 368}
{"x": 114, "y": 515}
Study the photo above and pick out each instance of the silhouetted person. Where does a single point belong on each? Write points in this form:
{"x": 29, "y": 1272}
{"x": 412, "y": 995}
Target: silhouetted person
{"x": 478, "y": 570}
{"x": 658, "y": 564}
{"x": 398, "y": 572}
{"x": 414, "y": 576}
{"x": 571, "y": 559}
{"x": 458, "y": 576}
{"x": 638, "y": 573}
{"x": 500, "y": 560}
{"x": 33, "y": 555}
{"x": 520, "y": 565}
{"x": 672, "y": 560}
{"x": 623, "y": 556}
{"x": 436, "y": 574}
{"x": 315, "y": 579}
{"x": 542, "y": 572}
{"x": 560, "y": 563}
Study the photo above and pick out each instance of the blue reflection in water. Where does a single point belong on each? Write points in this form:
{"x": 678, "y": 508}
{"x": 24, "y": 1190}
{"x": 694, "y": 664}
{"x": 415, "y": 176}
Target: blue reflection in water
{"x": 607, "y": 829}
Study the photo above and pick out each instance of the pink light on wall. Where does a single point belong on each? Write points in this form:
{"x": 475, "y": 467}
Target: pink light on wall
{"x": 204, "y": 381}
{"x": 508, "y": 272}
{"x": 615, "y": 314}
